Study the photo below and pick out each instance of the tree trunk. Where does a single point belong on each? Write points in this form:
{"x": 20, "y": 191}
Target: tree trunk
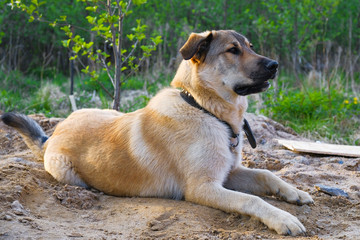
{"x": 351, "y": 64}
{"x": 117, "y": 54}
{"x": 295, "y": 55}
{"x": 225, "y": 6}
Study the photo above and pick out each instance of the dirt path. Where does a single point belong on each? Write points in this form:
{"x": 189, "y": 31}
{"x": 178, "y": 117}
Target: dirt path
{"x": 34, "y": 205}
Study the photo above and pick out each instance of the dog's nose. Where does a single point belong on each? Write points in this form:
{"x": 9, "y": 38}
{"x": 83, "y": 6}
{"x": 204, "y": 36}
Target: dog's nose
{"x": 272, "y": 65}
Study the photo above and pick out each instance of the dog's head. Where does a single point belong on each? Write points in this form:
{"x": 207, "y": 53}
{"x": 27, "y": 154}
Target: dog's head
{"x": 226, "y": 57}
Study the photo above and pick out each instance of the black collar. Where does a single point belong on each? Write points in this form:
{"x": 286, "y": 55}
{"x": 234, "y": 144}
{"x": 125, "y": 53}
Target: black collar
{"x": 190, "y": 100}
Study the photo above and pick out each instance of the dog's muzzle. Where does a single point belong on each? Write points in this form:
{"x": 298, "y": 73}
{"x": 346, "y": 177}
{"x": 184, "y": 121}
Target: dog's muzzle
{"x": 261, "y": 80}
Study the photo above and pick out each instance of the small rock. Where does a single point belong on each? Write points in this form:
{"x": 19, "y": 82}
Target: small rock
{"x": 352, "y": 165}
{"x": 25, "y": 221}
{"x": 302, "y": 160}
{"x": 357, "y": 194}
{"x": 75, "y": 234}
{"x": 17, "y": 208}
{"x": 155, "y": 225}
{"x": 333, "y": 191}
{"x": 8, "y": 218}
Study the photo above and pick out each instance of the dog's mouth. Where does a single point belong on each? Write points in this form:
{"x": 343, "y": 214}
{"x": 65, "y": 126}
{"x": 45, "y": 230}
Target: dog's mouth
{"x": 261, "y": 83}
{"x": 256, "y": 88}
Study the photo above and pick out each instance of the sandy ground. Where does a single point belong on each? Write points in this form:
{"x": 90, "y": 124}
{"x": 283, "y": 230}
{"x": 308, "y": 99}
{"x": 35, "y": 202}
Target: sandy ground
{"x": 34, "y": 206}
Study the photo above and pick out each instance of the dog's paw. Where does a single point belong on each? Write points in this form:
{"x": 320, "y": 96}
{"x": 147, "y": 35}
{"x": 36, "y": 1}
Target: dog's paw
{"x": 294, "y": 195}
{"x": 284, "y": 223}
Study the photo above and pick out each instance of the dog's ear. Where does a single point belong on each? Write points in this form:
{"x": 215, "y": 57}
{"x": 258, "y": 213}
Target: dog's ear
{"x": 196, "y": 46}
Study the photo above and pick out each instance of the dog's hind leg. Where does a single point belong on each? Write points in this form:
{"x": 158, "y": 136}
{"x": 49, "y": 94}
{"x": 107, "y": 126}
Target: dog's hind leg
{"x": 263, "y": 182}
{"x": 61, "y": 168}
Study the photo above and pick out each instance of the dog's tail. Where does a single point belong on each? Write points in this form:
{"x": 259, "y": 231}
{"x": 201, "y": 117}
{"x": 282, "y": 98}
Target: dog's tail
{"x": 30, "y": 130}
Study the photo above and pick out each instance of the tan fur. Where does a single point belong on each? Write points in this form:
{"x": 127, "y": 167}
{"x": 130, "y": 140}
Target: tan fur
{"x": 172, "y": 149}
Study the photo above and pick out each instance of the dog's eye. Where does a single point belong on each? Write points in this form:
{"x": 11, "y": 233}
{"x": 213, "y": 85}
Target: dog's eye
{"x": 234, "y": 50}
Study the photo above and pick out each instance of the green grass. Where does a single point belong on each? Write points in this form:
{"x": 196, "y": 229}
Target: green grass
{"x": 29, "y": 94}
{"x": 318, "y": 114}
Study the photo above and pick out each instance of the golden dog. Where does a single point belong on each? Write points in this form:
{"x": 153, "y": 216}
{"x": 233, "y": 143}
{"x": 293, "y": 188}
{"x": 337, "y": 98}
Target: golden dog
{"x": 183, "y": 144}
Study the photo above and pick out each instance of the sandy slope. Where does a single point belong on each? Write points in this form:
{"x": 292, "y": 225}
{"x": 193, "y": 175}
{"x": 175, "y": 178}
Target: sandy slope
{"x": 34, "y": 205}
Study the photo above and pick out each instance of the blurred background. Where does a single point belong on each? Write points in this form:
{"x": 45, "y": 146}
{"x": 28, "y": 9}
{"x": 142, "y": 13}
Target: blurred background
{"x": 317, "y": 44}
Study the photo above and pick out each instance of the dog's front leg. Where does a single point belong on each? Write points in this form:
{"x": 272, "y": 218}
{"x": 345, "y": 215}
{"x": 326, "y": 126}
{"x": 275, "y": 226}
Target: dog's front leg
{"x": 216, "y": 196}
{"x": 263, "y": 182}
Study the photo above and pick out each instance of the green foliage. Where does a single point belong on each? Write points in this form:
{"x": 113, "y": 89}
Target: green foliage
{"x": 291, "y": 31}
{"x": 15, "y": 88}
{"x": 315, "y": 111}
{"x": 108, "y": 26}
{"x": 133, "y": 83}
{"x": 107, "y": 23}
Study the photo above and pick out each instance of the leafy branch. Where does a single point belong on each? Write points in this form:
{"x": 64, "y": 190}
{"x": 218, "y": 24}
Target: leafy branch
{"x": 106, "y": 20}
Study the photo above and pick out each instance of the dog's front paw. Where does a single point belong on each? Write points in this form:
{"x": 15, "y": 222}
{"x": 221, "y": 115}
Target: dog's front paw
{"x": 284, "y": 223}
{"x": 294, "y": 195}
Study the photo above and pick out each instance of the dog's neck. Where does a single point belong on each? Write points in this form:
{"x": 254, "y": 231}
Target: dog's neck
{"x": 229, "y": 110}
{"x": 190, "y": 100}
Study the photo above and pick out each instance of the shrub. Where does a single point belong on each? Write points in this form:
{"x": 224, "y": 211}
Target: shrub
{"x": 316, "y": 114}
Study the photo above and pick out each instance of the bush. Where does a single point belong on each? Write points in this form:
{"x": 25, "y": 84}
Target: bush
{"x": 316, "y": 114}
